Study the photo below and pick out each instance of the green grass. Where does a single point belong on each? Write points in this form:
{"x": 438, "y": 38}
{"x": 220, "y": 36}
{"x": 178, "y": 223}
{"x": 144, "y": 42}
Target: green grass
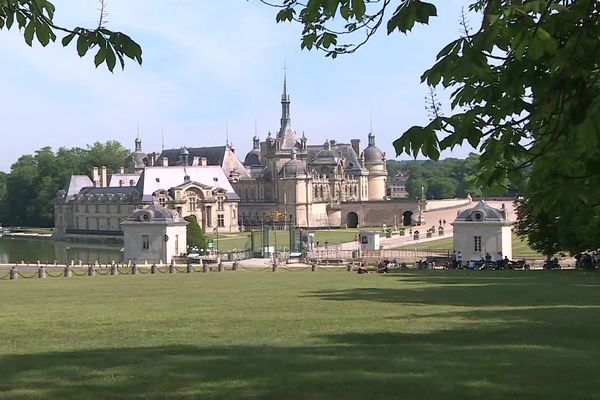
{"x": 520, "y": 248}
{"x": 303, "y": 335}
{"x": 238, "y": 241}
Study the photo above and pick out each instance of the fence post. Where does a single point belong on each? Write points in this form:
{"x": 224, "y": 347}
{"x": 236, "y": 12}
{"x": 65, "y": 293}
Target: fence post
{"x": 188, "y": 268}
{"x": 172, "y": 269}
{"x": 274, "y": 267}
{"x": 235, "y": 265}
{"x": 68, "y": 272}
{"x": 221, "y": 268}
{"x": 134, "y": 269}
{"x": 42, "y": 272}
{"x": 350, "y": 267}
{"x": 313, "y": 267}
{"x": 91, "y": 270}
{"x": 204, "y": 268}
{"x": 113, "y": 270}
{"x": 14, "y": 274}
{"x": 153, "y": 269}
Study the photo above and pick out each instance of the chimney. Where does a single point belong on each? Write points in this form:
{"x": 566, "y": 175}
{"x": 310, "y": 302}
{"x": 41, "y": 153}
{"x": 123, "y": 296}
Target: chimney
{"x": 103, "y": 177}
{"x": 165, "y": 162}
{"x": 203, "y": 161}
{"x": 356, "y": 146}
{"x": 150, "y": 160}
{"x": 95, "y": 176}
{"x": 122, "y": 170}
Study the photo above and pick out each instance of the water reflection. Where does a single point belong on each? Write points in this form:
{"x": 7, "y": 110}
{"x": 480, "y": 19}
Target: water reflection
{"x": 47, "y": 251}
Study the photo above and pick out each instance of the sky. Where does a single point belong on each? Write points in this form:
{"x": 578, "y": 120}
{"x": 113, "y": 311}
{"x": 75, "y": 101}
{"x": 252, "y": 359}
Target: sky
{"x": 213, "y": 69}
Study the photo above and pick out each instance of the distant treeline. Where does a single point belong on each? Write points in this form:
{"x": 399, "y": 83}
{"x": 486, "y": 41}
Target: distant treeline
{"x": 444, "y": 179}
{"x": 27, "y": 193}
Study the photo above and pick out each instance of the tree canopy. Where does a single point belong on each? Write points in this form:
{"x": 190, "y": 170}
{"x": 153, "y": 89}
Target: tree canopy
{"x": 28, "y": 191}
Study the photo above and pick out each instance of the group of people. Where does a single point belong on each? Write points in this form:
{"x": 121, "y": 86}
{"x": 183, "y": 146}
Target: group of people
{"x": 588, "y": 260}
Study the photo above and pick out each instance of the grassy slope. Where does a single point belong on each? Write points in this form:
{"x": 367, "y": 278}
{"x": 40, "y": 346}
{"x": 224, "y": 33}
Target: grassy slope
{"x": 519, "y": 246}
{"x": 325, "y": 335}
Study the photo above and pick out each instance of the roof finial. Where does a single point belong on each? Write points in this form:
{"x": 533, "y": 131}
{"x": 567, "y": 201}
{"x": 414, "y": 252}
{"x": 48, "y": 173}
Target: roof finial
{"x": 226, "y": 133}
{"x": 284, "y": 78}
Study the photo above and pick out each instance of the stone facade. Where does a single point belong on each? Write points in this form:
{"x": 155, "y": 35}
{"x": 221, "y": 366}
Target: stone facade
{"x": 483, "y": 229}
{"x": 154, "y": 234}
{"x": 316, "y": 186}
{"x": 89, "y": 212}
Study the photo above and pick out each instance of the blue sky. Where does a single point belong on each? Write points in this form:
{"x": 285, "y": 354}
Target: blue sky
{"x": 208, "y": 65}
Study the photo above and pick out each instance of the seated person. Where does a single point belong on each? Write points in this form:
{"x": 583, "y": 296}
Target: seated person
{"x": 362, "y": 270}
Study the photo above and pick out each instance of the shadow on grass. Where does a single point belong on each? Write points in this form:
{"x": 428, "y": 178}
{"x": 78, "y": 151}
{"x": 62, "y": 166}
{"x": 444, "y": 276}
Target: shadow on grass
{"x": 503, "y": 361}
{"x": 479, "y": 288}
{"x": 541, "y": 344}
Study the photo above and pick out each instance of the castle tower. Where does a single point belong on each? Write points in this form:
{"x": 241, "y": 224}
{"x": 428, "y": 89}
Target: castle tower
{"x": 287, "y": 135}
{"x": 376, "y": 165}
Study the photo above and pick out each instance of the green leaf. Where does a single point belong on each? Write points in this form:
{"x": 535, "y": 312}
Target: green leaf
{"x": 100, "y": 56}
{"x": 67, "y": 39}
{"x": 359, "y": 8}
{"x": 110, "y": 59}
{"x": 29, "y": 32}
{"x": 82, "y": 45}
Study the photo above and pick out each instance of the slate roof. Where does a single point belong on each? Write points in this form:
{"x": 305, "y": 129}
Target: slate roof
{"x": 114, "y": 179}
{"x": 214, "y": 155}
{"x": 75, "y": 184}
{"x": 482, "y": 212}
{"x": 156, "y": 178}
{"x": 155, "y": 213}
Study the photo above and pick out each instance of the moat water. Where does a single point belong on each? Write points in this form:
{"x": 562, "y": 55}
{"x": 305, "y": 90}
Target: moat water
{"x": 47, "y": 251}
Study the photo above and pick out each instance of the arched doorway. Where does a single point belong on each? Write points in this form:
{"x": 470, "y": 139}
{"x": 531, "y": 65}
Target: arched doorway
{"x": 407, "y": 218}
{"x": 352, "y": 220}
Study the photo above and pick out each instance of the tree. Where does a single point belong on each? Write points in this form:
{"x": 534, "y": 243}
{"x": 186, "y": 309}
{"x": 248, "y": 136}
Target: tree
{"x": 195, "y": 234}
{"x": 27, "y": 193}
{"x": 525, "y": 92}
{"x": 35, "y": 18}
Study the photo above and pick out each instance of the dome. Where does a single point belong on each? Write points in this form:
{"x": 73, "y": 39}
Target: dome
{"x": 154, "y": 213}
{"x": 482, "y": 212}
{"x": 373, "y": 155}
{"x": 293, "y": 167}
{"x": 252, "y": 158}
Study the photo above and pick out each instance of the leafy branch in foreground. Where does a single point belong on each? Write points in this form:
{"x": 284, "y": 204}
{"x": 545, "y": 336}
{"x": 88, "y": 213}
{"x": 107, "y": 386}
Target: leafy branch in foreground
{"x": 35, "y": 18}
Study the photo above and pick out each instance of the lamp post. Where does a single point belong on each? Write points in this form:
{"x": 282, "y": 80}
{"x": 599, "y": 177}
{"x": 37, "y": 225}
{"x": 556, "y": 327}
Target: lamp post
{"x": 216, "y": 230}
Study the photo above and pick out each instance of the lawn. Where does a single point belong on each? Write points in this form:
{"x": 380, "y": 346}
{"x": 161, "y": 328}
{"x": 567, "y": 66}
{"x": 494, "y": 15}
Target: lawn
{"x": 520, "y": 248}
{"x": 303, "y": 335}
{"x": 241, "y": 240}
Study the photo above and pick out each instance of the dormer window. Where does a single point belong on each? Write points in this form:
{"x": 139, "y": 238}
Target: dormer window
{"x": 477, "y": 216}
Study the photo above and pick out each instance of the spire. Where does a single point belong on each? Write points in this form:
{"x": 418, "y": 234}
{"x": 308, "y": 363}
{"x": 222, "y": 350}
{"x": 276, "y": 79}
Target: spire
{"x": 285, "y": 105}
